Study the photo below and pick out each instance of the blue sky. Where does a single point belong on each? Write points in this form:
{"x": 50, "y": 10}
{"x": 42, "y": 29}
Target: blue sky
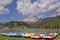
{"x": 17, "y": 14}
{"x": 13, "y": 14}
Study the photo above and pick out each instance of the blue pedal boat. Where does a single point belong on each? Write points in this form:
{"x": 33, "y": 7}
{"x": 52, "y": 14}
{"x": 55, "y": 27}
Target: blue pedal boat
{"x": 15, "y": 34}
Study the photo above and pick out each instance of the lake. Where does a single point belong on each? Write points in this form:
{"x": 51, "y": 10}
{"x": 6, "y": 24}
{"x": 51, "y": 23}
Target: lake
{"x": 29, "y": 30}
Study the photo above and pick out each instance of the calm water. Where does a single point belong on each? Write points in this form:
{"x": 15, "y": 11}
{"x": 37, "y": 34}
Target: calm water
{"x": 29, "y": 30}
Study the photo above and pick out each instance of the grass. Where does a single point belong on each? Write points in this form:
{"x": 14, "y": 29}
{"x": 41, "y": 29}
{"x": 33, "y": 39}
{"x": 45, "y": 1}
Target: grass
{"x": 13, "y": 38}
{"x": 21, "y": 38}
{"x": 57, "y": 38}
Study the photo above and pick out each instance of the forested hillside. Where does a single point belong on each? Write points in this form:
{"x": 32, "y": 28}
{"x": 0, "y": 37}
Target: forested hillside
{"x": 14, "y": 24}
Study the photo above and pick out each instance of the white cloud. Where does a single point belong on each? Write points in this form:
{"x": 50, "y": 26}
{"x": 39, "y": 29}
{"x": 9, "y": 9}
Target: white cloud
{"x": 3, "y": 3}
{"x": 3, "y": 10}
{"x": 39, "y": 6}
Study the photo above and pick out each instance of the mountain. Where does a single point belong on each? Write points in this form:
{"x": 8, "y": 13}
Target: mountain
{"x": 31, "y": 18}
{"x": 52, "y": 17}
{"x": 49, "y": 22}
{"x": 56, "y": 14}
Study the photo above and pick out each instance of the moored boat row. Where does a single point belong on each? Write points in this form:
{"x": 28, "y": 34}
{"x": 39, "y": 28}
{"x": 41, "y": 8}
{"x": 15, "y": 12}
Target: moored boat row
{"x": 31, "y": 35}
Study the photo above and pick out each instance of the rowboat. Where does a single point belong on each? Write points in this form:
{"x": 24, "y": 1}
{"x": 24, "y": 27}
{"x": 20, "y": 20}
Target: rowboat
{"x": 50, "y": 35}
{"x": 27, "y": 34}
{"x": 17, "y": 34}
{"x": 8, "y": 34}
{"x": 36, "y": 35}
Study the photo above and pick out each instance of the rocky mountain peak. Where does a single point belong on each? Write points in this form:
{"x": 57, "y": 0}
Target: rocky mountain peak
{"x": 31, "y": 18}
